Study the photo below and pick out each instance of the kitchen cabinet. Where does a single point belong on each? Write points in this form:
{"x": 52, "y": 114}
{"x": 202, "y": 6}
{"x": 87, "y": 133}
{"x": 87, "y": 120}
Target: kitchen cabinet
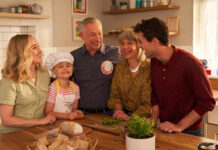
{"x": 144, "y": 9}
{"x": 23, "y": 16}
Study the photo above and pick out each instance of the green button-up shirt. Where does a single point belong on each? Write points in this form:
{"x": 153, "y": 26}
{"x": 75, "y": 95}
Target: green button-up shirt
{"x": 28, "y": 100}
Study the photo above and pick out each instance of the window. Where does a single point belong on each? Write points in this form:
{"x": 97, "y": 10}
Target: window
{"x": 205, "y": 42}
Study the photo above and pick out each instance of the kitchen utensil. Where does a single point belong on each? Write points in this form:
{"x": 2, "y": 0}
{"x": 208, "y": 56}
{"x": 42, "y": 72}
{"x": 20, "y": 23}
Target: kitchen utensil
{"x": 132, "y": 4}
{"x": 36, "y": 8}
{"x": 4, "y": 9}
{"x": 207, "y": 146}
{"x": 25, "y": 8}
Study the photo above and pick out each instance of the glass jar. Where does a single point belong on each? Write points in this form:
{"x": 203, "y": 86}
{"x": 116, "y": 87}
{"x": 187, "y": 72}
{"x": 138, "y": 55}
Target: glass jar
{"x": 123, "y": 5}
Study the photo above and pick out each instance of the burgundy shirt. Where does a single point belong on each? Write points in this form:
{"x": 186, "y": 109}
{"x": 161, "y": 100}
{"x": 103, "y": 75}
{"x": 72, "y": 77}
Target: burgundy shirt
{"x": 180, "y": 86}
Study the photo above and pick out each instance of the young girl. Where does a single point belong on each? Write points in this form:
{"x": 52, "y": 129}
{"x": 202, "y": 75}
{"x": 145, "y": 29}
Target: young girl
{"x": 63, "y": 94}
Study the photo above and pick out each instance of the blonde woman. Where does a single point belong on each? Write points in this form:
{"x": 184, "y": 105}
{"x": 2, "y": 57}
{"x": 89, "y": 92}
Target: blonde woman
{"x": 24, "y": 86}
{"x": 131, "y": 88}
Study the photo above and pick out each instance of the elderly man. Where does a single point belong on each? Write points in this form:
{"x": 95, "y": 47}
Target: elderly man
{"x": 93, "y": 68}
{"x": 181, "y": 92}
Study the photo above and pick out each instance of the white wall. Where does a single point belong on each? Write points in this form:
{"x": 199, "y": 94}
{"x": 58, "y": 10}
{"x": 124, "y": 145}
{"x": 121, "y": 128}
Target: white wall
{"x": 63, "y": 17}
{"x": 44, "y": 27}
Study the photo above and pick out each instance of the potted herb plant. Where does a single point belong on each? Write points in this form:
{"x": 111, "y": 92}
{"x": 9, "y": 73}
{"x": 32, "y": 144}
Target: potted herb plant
{"x": 140, "y": 133}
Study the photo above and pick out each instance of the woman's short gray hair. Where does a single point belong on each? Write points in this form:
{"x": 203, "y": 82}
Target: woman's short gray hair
{"x": 131, "y": 35}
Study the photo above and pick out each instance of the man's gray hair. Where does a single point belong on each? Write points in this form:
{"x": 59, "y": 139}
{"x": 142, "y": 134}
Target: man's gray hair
{"x": 89, "y": 20}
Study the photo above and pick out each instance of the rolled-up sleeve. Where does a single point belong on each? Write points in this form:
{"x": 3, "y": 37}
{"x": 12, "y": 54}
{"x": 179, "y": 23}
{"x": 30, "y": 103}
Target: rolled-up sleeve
{"x": 201, "y": 87}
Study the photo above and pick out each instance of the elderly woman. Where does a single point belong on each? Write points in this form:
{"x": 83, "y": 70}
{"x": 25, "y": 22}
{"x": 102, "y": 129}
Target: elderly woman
{"x": 131, "y": 89}
{"x": 24, "y": 86}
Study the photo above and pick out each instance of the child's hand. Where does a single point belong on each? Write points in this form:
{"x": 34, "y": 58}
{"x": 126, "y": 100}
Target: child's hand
{"x": 72, "y": 116}
{"x": 79, "y": 114}
{"x": 76, "y": 114}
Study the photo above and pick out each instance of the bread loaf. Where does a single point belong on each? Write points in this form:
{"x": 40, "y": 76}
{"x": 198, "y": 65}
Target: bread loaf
{"x": 71, "y": 128}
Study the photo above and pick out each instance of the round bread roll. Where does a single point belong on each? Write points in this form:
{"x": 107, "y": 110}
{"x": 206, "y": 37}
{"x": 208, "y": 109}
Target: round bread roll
{"x": 71, "y": 128}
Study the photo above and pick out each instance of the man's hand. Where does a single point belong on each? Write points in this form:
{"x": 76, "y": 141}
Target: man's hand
{"x": 119, "y": 114}
{"x": 170, "y": 127}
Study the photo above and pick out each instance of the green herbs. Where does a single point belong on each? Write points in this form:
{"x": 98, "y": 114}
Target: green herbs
{"x": 140, "y": 127}
{"x": 113, "y": 122}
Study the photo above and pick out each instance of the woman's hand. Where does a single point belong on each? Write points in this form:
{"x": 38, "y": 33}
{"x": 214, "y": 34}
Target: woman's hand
{"x": 49, "y": 118}
{"x": 119, "y": 114}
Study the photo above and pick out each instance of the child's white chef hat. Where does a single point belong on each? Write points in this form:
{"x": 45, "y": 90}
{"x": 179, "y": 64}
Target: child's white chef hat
{"x": 55, "y": 58}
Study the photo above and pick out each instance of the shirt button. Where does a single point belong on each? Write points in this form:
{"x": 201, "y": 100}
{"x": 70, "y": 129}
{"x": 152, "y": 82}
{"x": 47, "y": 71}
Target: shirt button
{"x": 164, "y": 78}
{"x": 164, "y": 69}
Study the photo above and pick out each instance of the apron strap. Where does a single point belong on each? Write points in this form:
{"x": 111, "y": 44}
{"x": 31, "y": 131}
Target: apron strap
{"x": 58, "y": 87}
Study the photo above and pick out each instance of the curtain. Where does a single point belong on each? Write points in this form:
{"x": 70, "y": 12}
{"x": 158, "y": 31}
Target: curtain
{"x": 205, "y": 31}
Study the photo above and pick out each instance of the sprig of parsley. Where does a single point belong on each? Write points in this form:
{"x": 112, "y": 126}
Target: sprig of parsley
{"x": 113, "y": 122}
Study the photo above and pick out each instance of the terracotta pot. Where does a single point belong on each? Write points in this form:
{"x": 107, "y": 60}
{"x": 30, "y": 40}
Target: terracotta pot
{"x": 140, "y": 144}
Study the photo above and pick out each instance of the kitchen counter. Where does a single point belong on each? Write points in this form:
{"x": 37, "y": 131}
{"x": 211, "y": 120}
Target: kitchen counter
{"x": 18, "y": 140}
{"x": 215, "y": 93}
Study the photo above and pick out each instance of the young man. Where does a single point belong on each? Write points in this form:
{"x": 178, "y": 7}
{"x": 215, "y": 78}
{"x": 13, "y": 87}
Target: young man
{"x": 181, "y": 92}
{"x": 94, "y": 65}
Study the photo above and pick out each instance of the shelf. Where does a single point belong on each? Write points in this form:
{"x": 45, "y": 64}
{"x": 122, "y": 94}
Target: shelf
{"x": 161, "y": 7}
{"x": 23, "y": 16}
{"x": 116, "y": 35}
{"x": 173, "y": 33}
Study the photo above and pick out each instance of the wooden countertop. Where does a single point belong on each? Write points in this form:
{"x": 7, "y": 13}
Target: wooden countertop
{"x": 18, "y": 140}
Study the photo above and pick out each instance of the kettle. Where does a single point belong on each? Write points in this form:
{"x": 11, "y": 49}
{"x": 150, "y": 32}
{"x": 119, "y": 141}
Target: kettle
{"x": 36, "y": 8}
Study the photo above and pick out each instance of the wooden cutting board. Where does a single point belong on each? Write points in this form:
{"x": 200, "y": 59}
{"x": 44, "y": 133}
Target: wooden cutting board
{"x": 101, "y": 127}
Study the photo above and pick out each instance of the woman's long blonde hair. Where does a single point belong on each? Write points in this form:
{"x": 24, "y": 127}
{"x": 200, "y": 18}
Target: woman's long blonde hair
{"x": 131, "y": 35}
{"x": 19, "y": 59}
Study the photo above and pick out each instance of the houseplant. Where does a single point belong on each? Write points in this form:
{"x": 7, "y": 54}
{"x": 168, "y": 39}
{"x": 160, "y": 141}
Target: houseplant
{"x": 140, "y": 133}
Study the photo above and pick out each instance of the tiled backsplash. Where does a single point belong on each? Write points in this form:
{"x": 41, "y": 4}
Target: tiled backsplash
{"x": 7, "y": 32}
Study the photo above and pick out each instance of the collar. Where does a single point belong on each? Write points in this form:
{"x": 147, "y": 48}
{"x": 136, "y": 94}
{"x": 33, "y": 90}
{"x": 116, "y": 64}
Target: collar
{"x": 172, "y": 58}
{"x": 102, "y": 49}
{"x": 37, "y": 80}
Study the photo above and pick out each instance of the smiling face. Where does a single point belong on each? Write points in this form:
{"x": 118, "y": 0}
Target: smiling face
{"x": 129, "y": 49}
{"x": 148, "y": 47}
{"x": 92, "y": 36}
{"x": 63, "y": 70}
{"x": 35, "y": 51}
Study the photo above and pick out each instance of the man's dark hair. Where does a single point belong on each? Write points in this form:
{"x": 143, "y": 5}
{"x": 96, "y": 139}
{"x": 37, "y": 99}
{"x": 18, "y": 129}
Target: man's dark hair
{"x": 151, "y": 28}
